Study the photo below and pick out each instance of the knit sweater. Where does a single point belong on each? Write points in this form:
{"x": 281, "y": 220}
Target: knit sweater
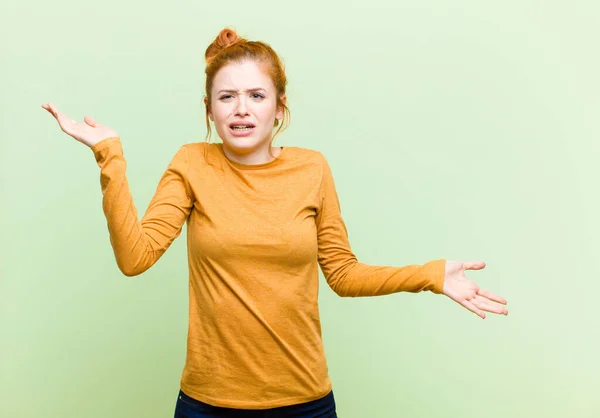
{"x": 256, "y": 236}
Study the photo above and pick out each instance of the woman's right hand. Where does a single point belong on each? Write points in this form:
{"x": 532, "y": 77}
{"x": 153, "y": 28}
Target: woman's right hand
{"x": 88, "y": 133}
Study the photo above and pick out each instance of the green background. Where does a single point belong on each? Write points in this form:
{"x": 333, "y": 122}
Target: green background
{"x": 465, "y": 130}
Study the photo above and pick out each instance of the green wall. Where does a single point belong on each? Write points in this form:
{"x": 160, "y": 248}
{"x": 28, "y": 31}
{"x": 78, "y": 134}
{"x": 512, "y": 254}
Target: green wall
{"x": 460, "y": 130}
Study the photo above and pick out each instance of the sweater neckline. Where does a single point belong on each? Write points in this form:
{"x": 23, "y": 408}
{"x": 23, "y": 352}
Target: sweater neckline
{"x": 277, "y": 160}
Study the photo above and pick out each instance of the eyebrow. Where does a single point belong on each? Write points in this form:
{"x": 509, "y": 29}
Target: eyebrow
{"x": 235, "y": 91}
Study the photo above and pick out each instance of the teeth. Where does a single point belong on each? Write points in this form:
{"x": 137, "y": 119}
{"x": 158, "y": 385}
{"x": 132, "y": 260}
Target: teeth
{"x": 241, "y": 128}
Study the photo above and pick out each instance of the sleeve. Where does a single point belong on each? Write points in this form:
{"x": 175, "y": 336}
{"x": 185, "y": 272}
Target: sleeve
{"x": 137, "y": 245}
{"x": 348, "y": 277}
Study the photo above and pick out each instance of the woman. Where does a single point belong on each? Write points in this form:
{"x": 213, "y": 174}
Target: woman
{"x": 260, "y": 222}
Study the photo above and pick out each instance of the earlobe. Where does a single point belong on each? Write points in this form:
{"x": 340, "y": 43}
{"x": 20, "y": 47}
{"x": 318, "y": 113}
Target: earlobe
{"x": 208, "y": 113}
{"x": 280, "y": 108}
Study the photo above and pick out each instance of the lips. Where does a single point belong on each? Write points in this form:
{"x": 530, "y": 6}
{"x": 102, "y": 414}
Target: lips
{"x": 241, "y": 124}
{"x": 241, "y": 128}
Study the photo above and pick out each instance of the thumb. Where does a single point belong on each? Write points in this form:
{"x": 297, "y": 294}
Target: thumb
{"x": 91, "y": 121}
{"x": 473, "y": 265}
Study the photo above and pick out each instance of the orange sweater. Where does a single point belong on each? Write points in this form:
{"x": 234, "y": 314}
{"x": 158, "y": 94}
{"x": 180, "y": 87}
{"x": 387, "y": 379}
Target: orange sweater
{"x": 256, "y": 235}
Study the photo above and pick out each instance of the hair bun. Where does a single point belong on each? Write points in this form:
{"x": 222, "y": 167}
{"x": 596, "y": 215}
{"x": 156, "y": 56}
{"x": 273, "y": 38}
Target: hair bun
{"x": 226, "y": 38}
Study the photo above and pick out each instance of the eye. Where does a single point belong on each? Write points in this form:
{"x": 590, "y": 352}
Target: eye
{"x": 225, "y": 96}
{"x": 257, "y": 96}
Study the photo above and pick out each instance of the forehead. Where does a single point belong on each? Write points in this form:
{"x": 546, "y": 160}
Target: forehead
{"x": 241, "y": 76}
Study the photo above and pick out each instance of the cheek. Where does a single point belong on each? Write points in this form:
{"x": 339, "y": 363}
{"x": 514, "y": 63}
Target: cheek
{"x": 220, "y": 113}
{"x": 267, "y": 113}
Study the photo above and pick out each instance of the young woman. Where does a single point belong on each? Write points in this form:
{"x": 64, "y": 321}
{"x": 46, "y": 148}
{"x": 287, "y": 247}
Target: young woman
{"x": 261, "y": 220}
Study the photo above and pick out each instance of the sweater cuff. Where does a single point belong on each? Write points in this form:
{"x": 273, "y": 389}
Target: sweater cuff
{"x": 99, "y": 149}
{"x": 436, "y": 270}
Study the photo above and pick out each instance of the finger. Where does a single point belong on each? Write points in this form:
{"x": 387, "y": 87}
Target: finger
{"x": 49, "y": 109}
{"x": 491, "y": 296}
{"x": 64, "y": 121}
{"x": 473, "y": 265}
{"x": 59, "y": 115}
{"x": 53, "y": 108}
{"x": 91, "y": 121}
{"x": 488, "y": 306}
{"x": 470, "y": 306}
{"x": 54, "y": 111}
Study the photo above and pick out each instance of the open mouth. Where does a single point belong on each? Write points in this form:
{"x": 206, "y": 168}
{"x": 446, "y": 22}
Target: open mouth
{"x": 241, "y": 128}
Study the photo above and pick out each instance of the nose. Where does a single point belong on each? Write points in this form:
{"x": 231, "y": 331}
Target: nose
{"x": 241, "y": 109}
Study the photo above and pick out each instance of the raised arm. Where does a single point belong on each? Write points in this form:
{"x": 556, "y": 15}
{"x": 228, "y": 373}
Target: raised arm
{"x": 137, "y": 244}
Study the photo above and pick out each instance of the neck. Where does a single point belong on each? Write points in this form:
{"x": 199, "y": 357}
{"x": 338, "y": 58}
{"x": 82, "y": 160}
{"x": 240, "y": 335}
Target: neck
{"x": 260, "y": 156}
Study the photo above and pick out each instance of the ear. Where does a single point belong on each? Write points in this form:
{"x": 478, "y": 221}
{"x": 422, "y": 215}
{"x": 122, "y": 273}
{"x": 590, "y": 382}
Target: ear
{"x": 279, "y": 114}
{"x": 210, "y": 116}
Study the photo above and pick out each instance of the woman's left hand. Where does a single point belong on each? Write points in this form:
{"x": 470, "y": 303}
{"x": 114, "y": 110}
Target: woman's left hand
{"x": 463, "y": 291}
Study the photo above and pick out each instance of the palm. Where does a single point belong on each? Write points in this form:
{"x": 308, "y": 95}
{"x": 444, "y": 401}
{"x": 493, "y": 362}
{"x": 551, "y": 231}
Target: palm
{"x": 88, "y": 133}
{"x": 466, "y": 293}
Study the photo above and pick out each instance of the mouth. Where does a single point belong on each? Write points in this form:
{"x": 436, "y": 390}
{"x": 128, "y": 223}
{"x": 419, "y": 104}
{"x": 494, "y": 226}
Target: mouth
{"x": 241, "y": 129}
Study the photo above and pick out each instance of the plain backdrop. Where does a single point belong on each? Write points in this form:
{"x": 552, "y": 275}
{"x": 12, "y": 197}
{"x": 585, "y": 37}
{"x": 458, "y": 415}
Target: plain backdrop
{"x": 465, "y": 130}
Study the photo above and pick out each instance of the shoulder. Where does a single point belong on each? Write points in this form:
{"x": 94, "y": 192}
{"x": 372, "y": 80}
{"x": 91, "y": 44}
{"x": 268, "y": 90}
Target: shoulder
{"x": 311, "y": 163}
{"x": 305, "y": 155}
{"x": 192, "y": 147}
{"x": 202, "y": 153}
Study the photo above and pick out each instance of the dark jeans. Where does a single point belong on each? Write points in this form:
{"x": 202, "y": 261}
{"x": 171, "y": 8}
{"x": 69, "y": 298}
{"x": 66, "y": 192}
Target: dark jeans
{"x": 191, "y": 408}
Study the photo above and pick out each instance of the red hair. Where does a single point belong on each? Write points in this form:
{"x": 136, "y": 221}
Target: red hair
{"x": 229, "y": 47}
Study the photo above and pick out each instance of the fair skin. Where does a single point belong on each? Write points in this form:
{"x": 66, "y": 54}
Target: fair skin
{"x": 243, "y": 94}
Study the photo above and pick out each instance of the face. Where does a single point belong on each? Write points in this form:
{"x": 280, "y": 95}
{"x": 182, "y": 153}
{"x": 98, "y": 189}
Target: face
{"x": 243, "y": 109}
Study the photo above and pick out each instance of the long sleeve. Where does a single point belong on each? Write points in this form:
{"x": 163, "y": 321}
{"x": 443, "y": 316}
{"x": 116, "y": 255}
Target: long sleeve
{"x": 137, "y": 245}
{"x": 348, "y": 277}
